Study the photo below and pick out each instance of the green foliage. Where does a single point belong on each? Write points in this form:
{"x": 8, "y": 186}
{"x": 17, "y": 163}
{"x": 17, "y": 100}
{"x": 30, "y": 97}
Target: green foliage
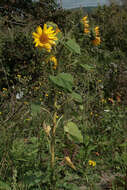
{"x": 72, "y": 46}
{"x": 63, "y": 80}
{"x": 73, "y": 132}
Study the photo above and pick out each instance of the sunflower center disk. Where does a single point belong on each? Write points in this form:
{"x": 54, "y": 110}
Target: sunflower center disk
{"x": 44, "y": 38}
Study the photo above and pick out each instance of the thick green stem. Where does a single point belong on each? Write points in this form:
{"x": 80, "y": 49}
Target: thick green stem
{"x": 53, "y": 143}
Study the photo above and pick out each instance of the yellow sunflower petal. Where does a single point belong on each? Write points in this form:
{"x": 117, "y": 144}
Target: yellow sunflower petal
{"x": 39, "y": 30}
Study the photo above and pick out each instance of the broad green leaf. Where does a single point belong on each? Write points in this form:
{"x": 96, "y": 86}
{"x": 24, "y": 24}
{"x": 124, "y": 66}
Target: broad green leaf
{"x": 77, "y": 97}
{"x": 4, "y": 186}
{"x": 73, "y": 132}
{"x": 63, "y": 80}
{"x": 35, "y": 108}
{"x": 73, "y": 46}
{"x": 87, "y": 67}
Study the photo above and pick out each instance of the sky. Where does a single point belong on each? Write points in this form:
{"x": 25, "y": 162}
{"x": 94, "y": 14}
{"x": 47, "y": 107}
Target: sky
{"x": 77, "y": 3}
{"x": 68, "y": 4}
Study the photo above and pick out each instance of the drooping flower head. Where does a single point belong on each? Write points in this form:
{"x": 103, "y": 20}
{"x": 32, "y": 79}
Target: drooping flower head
{"x": 45, "y": 38}
{"x": 54, "y": 60}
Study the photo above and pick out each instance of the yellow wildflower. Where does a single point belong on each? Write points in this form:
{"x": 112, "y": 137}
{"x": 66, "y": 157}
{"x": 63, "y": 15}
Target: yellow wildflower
{"x": 4, "y": 89}
{"x": 84, "y": 19}
{"x": 57, "y": 116}
{"x": 86, "y": 30}
{"x": 91, "y": 113}
{"x": 92, "y": 163}
{"x": 103, "y": 100}
{"x": 86, "y": 25}
{"x": 0, "y": 113}
{"x": 69, "y": 162}
{"x": 28, "y": 119}
{"x": 96, "y": 30}
{"x": 46, "y": 95}
{"x": 96, "y": 41}
{"x": 26, "y": 103}
{"x": 54, "y": 60}
{"x": 19, "y": 76}
{"x": 45, "y": 38}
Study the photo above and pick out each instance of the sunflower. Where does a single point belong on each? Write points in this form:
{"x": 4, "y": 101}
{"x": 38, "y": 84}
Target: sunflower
{"x": 45, "y": 38}
{"x": 96, "y": 41}
{"x": 86, "y": 25}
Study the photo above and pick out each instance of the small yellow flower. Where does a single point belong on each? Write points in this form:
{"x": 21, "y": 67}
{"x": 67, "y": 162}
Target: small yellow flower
{"x": 57, "y": 116}
{"x": 103, "y": 100}
{"x": 36, "y": 88}
{"x": 0, "y": 113}
{"x": 45, "y": 38}
{"x": 46, "y": 95}
{"x": 28, "y": 119}
{"x": 91, "y": 113}
{"x": 19, "y": 76}
{"x": 92, "y": 163}
{"x": 4, "y": 89}
{"x": 26, "y": 103}
{"x": 54, "y": 60}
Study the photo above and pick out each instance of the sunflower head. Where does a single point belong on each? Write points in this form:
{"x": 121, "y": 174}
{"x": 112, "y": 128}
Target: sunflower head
{"x": 96, "y": 41}
{"x": 45, "y": 38}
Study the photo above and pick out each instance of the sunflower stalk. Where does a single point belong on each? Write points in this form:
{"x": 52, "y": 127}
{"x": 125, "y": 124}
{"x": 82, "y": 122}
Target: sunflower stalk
{"x": 53, "y": 134}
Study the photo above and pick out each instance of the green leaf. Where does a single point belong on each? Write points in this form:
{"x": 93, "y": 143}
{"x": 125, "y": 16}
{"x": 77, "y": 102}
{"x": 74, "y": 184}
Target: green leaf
{"x": 77, "y": 97}
{"x": 87, "y": 67}
{"x": 35, "y": 108}
{"x": 73, "y": 46}
{"x": 73, "y": 132}
{"x": 4, "y": 186}
{"x": 63, "y": 80}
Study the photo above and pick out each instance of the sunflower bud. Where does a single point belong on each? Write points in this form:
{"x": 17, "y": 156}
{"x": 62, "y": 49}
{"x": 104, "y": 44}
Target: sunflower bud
{"x": 47, "y": 129}
{"x": 69, "y": 162}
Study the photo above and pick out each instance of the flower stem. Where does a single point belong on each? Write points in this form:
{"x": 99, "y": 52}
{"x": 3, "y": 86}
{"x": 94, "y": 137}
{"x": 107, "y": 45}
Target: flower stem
{"x": 53, "y": 143}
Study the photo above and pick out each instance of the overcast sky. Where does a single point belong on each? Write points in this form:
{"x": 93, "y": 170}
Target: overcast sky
{"x": 68, "y": 4}
{"x": 78, "y": 3}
